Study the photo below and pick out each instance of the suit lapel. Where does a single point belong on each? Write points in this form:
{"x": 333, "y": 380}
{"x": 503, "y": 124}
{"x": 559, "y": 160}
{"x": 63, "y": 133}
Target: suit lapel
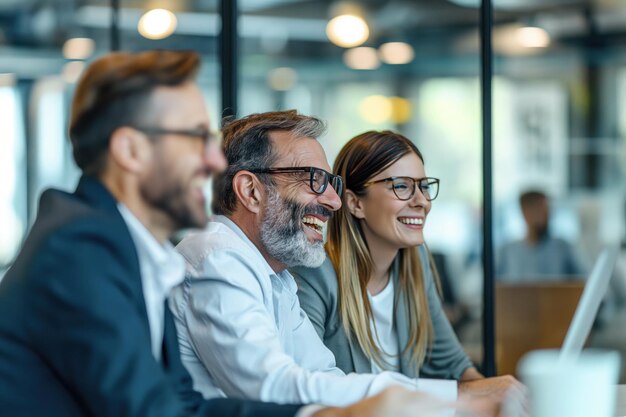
{"x": 94, "y": 193}
{"x": 362, "y": 365}
{"x": 170, "y": 342}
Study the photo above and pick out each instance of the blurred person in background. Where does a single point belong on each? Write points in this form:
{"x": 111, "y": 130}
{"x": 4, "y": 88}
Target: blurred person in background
{"x": 539, "y": 256}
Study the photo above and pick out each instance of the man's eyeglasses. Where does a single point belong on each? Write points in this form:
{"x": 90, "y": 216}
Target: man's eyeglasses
{"x": 404, "y": 187}
{"x": 318, "y": 178}
{"x": 203, "y": 133}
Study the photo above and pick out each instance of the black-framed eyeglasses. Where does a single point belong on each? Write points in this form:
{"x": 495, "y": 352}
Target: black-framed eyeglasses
{"x": 318, "y": 177}
{"x": 207, "y": 135}
{"x": 404, "y": 187}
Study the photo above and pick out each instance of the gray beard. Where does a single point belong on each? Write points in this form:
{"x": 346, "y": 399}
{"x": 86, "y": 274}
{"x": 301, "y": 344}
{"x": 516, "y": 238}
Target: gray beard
{"x": 283, "y": 236}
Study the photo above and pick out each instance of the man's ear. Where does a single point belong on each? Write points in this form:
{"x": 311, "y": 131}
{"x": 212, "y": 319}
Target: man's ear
{"x": 249, "y": 191}
{"x": 129, "y": 149}
{"x": 353, "y": 202}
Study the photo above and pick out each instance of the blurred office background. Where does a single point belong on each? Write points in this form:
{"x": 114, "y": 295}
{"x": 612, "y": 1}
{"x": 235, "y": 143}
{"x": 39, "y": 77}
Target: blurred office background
{"x": 559, "y": 110}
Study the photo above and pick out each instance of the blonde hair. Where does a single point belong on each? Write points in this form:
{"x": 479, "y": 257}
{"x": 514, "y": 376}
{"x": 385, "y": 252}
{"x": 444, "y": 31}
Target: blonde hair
{"x": 363, "y": 157}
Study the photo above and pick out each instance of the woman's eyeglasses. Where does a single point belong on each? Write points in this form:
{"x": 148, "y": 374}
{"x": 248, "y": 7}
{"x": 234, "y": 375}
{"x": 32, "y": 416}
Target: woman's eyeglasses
{"x": 318, "y": 178}
{"x": 404, "y": 187}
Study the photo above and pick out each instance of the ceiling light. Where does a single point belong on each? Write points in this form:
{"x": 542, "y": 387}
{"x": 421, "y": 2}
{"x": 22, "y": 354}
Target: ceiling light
{"x": 400, "y": 110}
{"x": 363, "y": 58}
{"x": 396, "y": 53}
{"x": 157, "y": 24}
{"x": 347, "y": 31}
{"x": 375, "y": 109}
{"x": 78, "y": 48}
{"x": 533, "y": 37}
{"x": 282, "y": 79}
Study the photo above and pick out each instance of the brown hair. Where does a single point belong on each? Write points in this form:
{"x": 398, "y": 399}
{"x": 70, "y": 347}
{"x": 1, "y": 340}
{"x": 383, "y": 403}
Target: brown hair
{"x": 362, "y": 158}
{"x": 115, "y": 92}
{"x": 247, "y": 146}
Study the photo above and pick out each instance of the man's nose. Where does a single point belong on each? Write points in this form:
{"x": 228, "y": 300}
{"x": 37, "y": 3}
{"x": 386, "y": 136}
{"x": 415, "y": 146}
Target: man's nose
{"x": 214, "y": 158}
{"x": 330, "y": 198}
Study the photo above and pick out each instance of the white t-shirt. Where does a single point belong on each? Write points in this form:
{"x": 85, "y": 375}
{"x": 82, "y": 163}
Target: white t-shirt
{"x": 384, "y": 329}
{"x": 387, "y": 341}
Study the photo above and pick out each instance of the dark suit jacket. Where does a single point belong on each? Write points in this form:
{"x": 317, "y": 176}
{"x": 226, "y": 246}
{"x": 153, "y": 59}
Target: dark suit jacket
{"x": 74, "y": 333}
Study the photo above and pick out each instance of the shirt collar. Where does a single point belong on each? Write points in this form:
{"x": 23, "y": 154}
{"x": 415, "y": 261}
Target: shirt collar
{"x": 168, "y": 264}
{"x": 237, "y": 230}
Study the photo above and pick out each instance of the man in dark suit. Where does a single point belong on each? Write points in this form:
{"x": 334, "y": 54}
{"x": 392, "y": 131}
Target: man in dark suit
{"x": 84, "y": 330}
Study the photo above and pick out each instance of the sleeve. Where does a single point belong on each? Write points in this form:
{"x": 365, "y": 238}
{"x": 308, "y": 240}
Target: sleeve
{"x": 195, "y": 405}
{"x": 446, "y": 358}
{"x": 237, "y": 340}
{"x": 88, "y": 329}
{"x": 312, "y": 298}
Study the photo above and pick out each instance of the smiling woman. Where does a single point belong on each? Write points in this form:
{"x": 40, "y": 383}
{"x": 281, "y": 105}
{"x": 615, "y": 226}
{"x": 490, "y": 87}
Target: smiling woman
{"x": 375, "y": 302}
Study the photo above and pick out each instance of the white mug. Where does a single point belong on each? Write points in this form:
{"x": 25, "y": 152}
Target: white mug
{"x": 576, "y": 386}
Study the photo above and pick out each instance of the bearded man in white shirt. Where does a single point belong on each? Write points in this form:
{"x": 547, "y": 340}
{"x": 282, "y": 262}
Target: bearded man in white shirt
{"x": 241, "y": 330}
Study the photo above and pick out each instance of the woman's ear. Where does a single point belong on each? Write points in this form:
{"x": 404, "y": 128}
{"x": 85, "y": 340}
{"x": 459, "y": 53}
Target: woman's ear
{"x": 354, "y": 204}
{"x": 247, "y": 188}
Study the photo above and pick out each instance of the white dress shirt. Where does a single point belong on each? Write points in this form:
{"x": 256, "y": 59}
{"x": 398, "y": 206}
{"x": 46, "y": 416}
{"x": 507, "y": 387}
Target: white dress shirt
{"x": 161, "y": 268}
{"x": 243, "y": 334}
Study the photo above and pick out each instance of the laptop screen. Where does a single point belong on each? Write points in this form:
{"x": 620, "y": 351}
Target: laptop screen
{"x": 589, "y": 303}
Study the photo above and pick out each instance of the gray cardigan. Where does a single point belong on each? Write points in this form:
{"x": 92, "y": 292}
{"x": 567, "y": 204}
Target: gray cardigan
{"x": 318, "y": 294}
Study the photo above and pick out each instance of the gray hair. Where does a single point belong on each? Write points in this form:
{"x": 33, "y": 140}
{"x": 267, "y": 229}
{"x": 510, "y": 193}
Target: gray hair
{"x": 247, "y": 145}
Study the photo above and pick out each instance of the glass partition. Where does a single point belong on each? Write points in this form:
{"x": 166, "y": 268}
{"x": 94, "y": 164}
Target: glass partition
{"x": 559, "y": 173}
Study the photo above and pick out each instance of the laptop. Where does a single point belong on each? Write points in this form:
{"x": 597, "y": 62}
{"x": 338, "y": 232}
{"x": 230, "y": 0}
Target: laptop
{"x": 584, "y": 316}
{"x": 588, "y": 305}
